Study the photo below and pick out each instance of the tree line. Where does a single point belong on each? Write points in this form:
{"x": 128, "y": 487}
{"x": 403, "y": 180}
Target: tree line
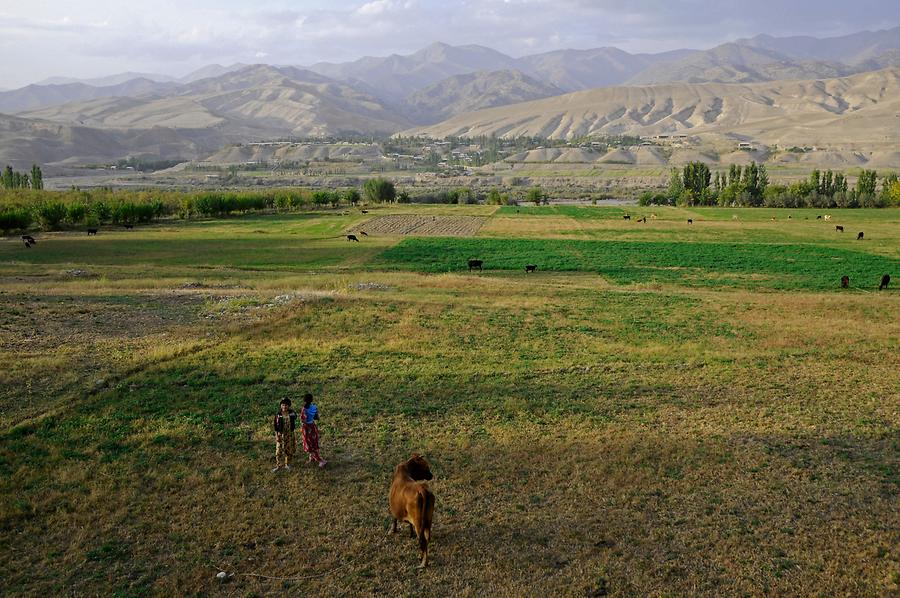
{"x": 23, "y": 207}
{"x": 749, "y": 186}
{"x": 12, "y": 179}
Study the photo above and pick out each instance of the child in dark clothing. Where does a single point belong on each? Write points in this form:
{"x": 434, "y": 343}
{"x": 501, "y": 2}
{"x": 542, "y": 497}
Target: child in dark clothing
{"x": 285, "y": 441}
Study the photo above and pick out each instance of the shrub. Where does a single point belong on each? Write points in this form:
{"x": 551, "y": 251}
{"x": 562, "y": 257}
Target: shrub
{"x": 352, "y": 196}
{"x": 15, "y": 218}
{"x": 51, "y": 214}
{"x": 75, "y": 212}
{"x": 101, "y": 211}
{"x": 379, "y": 190}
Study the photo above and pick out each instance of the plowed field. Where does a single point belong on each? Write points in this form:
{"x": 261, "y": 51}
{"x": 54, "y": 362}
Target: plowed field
{"x": 431, "y": 226}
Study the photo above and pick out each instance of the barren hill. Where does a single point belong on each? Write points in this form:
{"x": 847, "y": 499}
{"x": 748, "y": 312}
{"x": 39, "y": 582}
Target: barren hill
{"x": 397, "y": 76}
{"x": 35, "y": 97}
{"x": 260, "y": 101}
{"x": 734, "y": 63}
{"x": 465, "y": 93}
{"x": 861, "y": 110}
{"x": 254, "y": 103}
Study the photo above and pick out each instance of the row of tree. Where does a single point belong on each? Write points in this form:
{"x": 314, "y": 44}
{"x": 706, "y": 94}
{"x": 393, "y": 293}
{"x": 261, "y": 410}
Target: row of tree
{"x": 22, "y": 207}
{"x": 749, "y": 186}
{"x": 12, "y": 179}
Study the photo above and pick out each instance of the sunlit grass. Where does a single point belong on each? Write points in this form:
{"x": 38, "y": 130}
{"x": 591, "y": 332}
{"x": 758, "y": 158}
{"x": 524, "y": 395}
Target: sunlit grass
{"x": 647, "y": 422}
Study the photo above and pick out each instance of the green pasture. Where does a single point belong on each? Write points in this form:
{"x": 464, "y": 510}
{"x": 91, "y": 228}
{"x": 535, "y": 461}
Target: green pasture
{"x": 662, "y": 409}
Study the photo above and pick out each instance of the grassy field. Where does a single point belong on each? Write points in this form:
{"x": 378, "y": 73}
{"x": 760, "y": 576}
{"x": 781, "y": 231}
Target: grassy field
{"x": 660, "y": 410}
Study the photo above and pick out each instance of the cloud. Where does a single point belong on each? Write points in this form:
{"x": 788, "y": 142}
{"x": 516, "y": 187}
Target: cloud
{"x": 178, "y": 36}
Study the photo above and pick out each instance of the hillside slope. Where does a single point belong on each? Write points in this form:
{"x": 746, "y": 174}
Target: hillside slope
{"x": 857, "y": 110}
{"x": 466, "y": 93}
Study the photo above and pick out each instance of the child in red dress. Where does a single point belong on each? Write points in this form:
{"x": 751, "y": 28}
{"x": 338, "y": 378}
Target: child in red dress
{"x": 309, "y": 415}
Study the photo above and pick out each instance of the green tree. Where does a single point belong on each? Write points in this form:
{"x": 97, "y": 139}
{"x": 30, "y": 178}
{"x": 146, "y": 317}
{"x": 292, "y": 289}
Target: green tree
{"x": 37, "y": 177}
{"x": 696, "y": 177}
{"x": 762, "y": 180}
{"x": 379, "y": 190}
{"x": 815, "y": 180}
{"x": 676, "y": 186}
{"x": 536, "y": 195}
{"x": 866, "y": 183}
{"x": 352, "y": 196}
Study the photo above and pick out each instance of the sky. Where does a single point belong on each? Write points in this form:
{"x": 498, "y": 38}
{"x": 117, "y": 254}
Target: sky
{"x": 90, "y": 38}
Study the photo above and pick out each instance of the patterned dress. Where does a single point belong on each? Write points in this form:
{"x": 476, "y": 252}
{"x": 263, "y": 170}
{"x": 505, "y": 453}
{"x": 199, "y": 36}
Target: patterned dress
{"x": 285, "y": 440}
{"x": 310, "y": 434}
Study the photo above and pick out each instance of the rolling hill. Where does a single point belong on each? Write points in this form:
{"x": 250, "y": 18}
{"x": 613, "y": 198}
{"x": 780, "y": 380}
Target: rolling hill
{"x": 395, "y": 77}
{"x": 860, "y": 110}
{"x": 34, "y": 97}
{"x": 474, "y": 91}
{"x": 254, "y": 103}
{"x": 734, "y": 63}
{"x": 258, "y": 101}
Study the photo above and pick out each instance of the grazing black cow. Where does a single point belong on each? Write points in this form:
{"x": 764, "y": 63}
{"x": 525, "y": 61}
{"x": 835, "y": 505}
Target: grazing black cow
{"x": 789, "y": 216}
{"x": 530, "y": 268}
{"x": 690, "y": 220}
{"x": 885, "y": 281}
{"x": 364, "y": 211}
{"x": 363, "y": 233}
{"x": 129, "y": 226}
{"x": 845, "y": 282}
{"x": 475, "y": 265}
{"x": 819, "y": 217}
{"x": 27, "y": 245}
{"x": 352, "y": 238}
{"x": 860, "y": 236}
{"x": 626, "y": 217}
{"x": 92, "y": 231}
{"x": 839, "y": 228}
{"x": 29, "y": 239}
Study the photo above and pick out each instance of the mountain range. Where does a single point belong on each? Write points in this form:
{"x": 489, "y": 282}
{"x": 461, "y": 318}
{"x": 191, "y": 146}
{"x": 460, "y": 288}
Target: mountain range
{"x": 445, "y": 89}
{"x": 859, "y": 111}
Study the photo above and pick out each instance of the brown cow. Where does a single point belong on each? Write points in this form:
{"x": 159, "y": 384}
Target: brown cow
{"x": 845, "y": 282}
{"x": 839, "y": 228}
{"x": 412, "y": 502}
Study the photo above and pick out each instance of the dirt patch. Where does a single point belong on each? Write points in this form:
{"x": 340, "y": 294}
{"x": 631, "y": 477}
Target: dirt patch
{"x": 428, "y": 226}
